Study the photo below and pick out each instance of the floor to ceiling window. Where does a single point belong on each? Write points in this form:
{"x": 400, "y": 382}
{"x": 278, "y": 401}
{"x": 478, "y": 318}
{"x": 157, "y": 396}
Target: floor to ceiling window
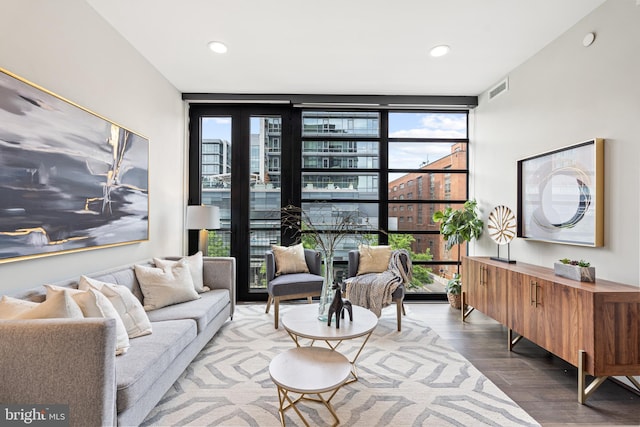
{"x": 428, "y": 171}
{"x": 390, "y": 169}
{"x": 215, "y": 178}
{"x": 340, "y": 176}
{"x": 265, "y": 188}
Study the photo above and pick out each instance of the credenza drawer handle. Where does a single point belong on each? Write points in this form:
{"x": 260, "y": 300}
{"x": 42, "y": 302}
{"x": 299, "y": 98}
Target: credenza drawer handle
{"x": 483, "y": 275}
{"x": 531, "y": 299}
{"x": 533, "y": 293}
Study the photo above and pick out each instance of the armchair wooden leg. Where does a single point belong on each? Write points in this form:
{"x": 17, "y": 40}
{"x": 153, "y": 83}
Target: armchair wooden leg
{"x": 309, "y": 299}
{"x": 276, "y": 311}
{"x": 269, "y": 299}
{"x": 399, "y": 311}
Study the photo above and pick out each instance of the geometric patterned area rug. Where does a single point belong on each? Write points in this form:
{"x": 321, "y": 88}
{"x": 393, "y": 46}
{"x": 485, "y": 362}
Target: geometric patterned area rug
{"x": 408, "y": 378}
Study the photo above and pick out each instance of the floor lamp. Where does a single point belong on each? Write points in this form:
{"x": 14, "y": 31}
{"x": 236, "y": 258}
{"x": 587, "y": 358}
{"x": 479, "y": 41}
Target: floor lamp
{"x": 203, "y": 218}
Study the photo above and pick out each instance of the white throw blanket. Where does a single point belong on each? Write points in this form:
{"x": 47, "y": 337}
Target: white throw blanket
{"x": 374, "y": 290}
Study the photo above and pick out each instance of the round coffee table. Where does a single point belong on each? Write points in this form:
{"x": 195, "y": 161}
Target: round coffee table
{"x": 302, "y": 322}
{"x": 306, "y": 371}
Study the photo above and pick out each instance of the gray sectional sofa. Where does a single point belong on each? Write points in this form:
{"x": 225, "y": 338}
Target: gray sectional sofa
{"x": 72, "y": 361}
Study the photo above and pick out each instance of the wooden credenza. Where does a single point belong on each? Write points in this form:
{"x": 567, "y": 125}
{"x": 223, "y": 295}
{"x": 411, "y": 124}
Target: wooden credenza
{"x": 593, "y": 326}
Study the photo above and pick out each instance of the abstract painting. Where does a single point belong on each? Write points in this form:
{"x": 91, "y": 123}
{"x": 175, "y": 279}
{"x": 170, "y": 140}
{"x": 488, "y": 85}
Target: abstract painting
{"x": 69, "y": 179}
{"x": 560, "y": 195}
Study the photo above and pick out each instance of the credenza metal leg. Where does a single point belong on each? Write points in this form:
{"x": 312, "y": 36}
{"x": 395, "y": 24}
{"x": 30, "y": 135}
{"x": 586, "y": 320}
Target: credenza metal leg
{"x": 584, "y": 390}
{"x": 464, "y": 310}
{"x": 511, "y": 340}
{"x": 634, "y": 381}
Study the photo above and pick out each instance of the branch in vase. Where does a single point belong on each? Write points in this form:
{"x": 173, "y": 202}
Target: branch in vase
{"x": 327, "y": 229}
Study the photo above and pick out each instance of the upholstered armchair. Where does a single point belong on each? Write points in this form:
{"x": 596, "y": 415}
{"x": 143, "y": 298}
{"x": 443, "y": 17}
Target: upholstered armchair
{"x": 403, "y": 275}
{"x": 292, "y": 285}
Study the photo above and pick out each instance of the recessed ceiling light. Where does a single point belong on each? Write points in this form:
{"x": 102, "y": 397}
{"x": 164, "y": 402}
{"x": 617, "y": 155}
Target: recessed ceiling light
{"x": 218, "y": 47}
{"x": 441, "y": 50}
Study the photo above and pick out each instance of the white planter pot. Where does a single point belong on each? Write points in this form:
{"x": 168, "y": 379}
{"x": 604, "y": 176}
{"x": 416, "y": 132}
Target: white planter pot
{"x": 575, "y": 272}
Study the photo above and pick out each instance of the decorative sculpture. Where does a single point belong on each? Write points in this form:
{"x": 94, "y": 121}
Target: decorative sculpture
{"x": 338, "y": 306}
{"x": 502, "y": 228}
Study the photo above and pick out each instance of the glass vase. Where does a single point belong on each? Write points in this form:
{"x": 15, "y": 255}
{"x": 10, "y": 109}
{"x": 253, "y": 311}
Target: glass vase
{"x": 327, "y": 293}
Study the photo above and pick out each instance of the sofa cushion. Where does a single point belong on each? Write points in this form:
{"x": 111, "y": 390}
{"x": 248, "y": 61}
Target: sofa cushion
{"x": 60, "y": 305}
{"x": 195, "y": 268}
{"x": 166, "y": 286}
{"x": 202, "y": 310}
{"x": 124, "y": 277}
{"x": 10, "y": 307}
{"x": 149, "y": 357}
{"x": 95, "y": 304}
{"x": 126, "y": 304}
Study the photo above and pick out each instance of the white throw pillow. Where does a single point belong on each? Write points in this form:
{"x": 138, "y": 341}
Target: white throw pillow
{"x": 373, "y": 259}
{"x": 126, "y": 304}
{"x": 59, "y": 306}
{"x": 290, "y": 259}
{"x": 11, "y": 307}
{"x": 95, "y": 304}
{"x": 195, "y": 267}
{"x": 165, "y": 286}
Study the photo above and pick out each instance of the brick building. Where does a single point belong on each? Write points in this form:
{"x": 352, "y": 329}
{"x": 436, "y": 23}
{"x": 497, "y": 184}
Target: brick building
{"x": 414, "y": 197}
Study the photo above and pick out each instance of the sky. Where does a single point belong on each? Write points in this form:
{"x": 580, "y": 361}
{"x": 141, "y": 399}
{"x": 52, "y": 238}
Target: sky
{"x": 216, "y": 128}
{"x": 422, "y": 125}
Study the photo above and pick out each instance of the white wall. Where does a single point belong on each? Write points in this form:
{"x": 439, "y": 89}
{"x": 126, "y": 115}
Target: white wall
{"x": 564, "y": 95}
{"x": 67, "y": 48}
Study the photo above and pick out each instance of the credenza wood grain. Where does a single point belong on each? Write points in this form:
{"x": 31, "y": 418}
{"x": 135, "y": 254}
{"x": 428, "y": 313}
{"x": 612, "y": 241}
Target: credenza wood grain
{"x": 599, "y": 321}
{"x": 487, "y": 288}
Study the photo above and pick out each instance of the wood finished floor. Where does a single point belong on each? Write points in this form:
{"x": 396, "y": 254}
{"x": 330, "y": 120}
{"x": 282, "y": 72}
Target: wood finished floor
{"x": 542, "y": 384}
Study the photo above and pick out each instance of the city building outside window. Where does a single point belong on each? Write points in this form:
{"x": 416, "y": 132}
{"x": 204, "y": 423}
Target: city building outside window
{"x": 340, "y": 165}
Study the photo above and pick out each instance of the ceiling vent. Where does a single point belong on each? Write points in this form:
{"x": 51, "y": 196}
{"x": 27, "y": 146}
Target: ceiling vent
{"x": 501, "y": 87}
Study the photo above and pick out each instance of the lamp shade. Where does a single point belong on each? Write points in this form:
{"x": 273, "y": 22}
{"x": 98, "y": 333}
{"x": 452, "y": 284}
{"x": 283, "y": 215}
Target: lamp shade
{"x": 203, "y": 217}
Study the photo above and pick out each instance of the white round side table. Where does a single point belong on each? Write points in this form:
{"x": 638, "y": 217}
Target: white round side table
{"x": 302, "y": 322}
{"x": 308, "y": 371}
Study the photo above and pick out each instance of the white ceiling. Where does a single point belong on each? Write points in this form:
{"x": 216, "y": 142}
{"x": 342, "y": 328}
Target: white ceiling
{"x": 376, "y": 47}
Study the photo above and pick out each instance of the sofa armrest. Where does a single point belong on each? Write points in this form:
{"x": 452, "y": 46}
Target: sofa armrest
{"x": 61, "y": 361}
{"x": 220, "y": 273}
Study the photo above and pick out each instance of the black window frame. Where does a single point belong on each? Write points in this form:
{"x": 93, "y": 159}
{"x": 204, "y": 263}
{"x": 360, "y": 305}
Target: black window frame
{"x": 292, "y": 169}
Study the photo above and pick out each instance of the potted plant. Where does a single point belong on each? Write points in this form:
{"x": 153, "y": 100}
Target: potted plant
{"x": 458, "y": 226}
{"x": 453, "y": 289}
{"x": 575, "y": 270}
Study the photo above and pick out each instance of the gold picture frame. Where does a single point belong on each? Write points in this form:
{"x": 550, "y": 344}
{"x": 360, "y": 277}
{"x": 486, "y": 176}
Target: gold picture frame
{"x": 561, "y": 195}
{"x": 70, "y": 179}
